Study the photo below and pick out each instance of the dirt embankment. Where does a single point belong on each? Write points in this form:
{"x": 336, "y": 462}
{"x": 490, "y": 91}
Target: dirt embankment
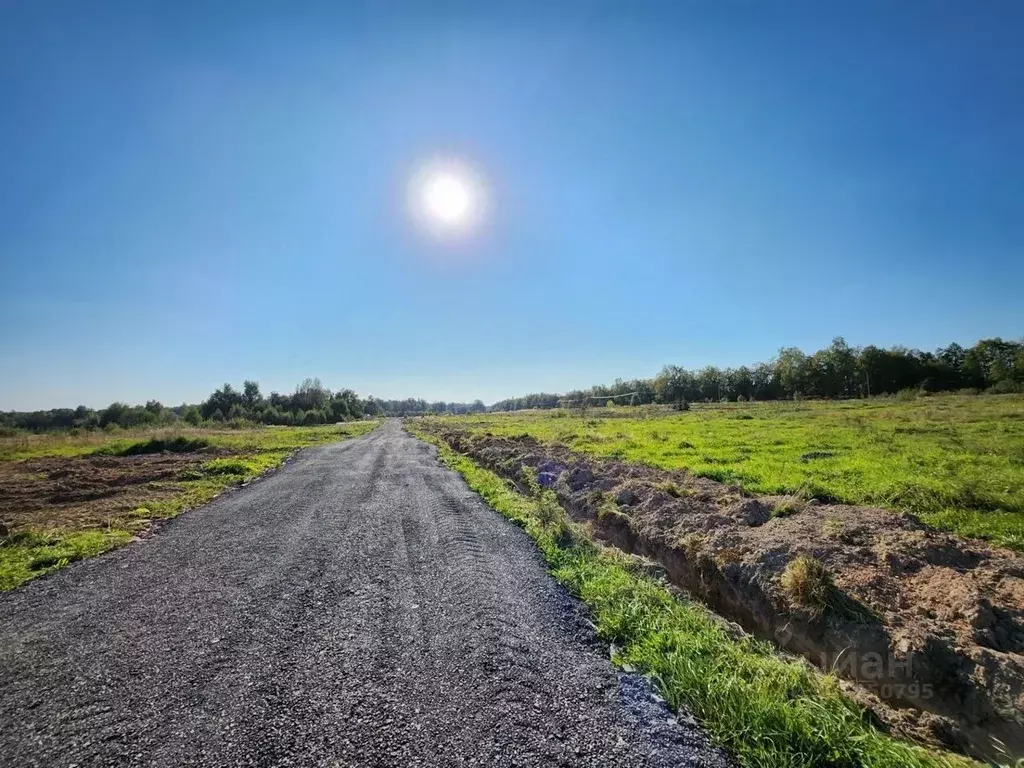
{"x": 924, "y": 628}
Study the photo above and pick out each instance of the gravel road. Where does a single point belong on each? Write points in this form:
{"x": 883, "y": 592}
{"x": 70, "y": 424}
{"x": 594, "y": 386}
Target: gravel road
{"x": 359, "y": 607}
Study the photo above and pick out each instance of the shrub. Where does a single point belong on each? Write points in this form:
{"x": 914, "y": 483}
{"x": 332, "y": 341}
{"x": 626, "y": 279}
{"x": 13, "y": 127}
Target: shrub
{"x": 1004, "y": 387}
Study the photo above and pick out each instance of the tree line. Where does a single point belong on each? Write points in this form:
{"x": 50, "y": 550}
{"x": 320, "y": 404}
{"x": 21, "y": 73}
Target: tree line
{"x": 311, "y": 403}
{"x": 837, "y": 371}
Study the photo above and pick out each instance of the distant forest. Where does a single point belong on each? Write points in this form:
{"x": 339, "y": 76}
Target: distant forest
{"x": 839, "y": 371}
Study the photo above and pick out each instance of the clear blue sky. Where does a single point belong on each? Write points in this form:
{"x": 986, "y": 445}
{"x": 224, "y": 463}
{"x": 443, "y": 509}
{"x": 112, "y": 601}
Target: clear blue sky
{"x": 194, "y": 192}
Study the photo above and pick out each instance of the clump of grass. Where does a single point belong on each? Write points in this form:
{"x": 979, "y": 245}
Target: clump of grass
{"x": 833, "y": 527}
{"x": 529, "y": 480}
{"x": 788, "y": 506}
{"x": 808, "y": 584}
{"x": 767, "y": 711}
{"x": 548, "y": 510}
{"x": 693, "y": 545}
{"x": 671, "y": 489}
{"x": 812, "y": 455}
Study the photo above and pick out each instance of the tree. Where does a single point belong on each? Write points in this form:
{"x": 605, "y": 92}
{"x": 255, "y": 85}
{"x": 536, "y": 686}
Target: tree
{"x": 251, "y": 396}
{"x": 791, "y": 368}
{"x": 709, "y": 381}
{"x": 953, "y": 356}
{"x": 221, "y": 400}
{"x": 113, "y": 414}
{"x": 672, "y": 384}
{"x": 311, "y": 394}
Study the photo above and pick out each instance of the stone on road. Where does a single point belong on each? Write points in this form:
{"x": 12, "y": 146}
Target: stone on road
{"x": 361, "y": 606}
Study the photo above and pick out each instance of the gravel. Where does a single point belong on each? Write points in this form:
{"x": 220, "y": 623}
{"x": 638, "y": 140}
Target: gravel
{"x": 361, "y": 606}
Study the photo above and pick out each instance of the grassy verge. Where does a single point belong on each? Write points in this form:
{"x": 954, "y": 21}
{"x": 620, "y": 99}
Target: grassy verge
{"x": 768, "y": 712}
{"x": 29, "y": 551}
{"x": 955, "y": 461}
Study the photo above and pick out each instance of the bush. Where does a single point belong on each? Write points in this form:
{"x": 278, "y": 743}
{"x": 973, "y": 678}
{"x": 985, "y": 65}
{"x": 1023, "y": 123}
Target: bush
{"x": 1004, "y": 387}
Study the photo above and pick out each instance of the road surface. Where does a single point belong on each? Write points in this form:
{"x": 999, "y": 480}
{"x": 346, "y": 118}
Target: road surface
{"x": 359, "y": 607}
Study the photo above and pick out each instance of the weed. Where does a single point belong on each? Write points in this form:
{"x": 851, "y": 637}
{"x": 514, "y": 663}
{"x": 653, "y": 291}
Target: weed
{"x": 549, "y": 512}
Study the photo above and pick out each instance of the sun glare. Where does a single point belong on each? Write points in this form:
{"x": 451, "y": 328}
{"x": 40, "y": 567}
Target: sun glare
{"x": 447, "y": 198}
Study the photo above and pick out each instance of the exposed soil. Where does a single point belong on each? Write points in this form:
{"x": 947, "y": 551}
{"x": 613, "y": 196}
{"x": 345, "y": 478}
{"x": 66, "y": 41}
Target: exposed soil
{"x": 87, "y": 491}
{"x": 925, "y": 628}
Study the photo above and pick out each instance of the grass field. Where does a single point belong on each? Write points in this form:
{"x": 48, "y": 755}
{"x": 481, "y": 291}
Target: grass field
{"x": 769, "y": 712}
{"x": 956, "y": 461}
{"x": 65, "y": 497}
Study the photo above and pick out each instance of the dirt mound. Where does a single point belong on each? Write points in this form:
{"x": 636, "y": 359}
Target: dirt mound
{"x": 927, "y": 628}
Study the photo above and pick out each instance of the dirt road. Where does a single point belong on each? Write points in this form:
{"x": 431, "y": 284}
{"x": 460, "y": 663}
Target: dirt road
{"x": 359, "y": 607}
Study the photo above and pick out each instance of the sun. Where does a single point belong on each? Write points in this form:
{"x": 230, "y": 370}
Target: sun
{"x": 447, "y": 198}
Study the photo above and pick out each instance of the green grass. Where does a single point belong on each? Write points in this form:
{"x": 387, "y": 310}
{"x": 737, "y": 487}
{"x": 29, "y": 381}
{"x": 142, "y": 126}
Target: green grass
{"x": 28, "y": 553}
{"x": 767, "y": 711}
{"x": 955, "y": 461}
{"x": 131, "y": 442}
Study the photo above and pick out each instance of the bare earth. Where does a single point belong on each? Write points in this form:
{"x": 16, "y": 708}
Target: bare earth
{"x": 359, "y": 607}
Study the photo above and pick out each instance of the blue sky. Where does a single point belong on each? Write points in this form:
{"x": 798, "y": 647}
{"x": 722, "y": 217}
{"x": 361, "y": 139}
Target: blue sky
{"x": 193, "y": 193}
